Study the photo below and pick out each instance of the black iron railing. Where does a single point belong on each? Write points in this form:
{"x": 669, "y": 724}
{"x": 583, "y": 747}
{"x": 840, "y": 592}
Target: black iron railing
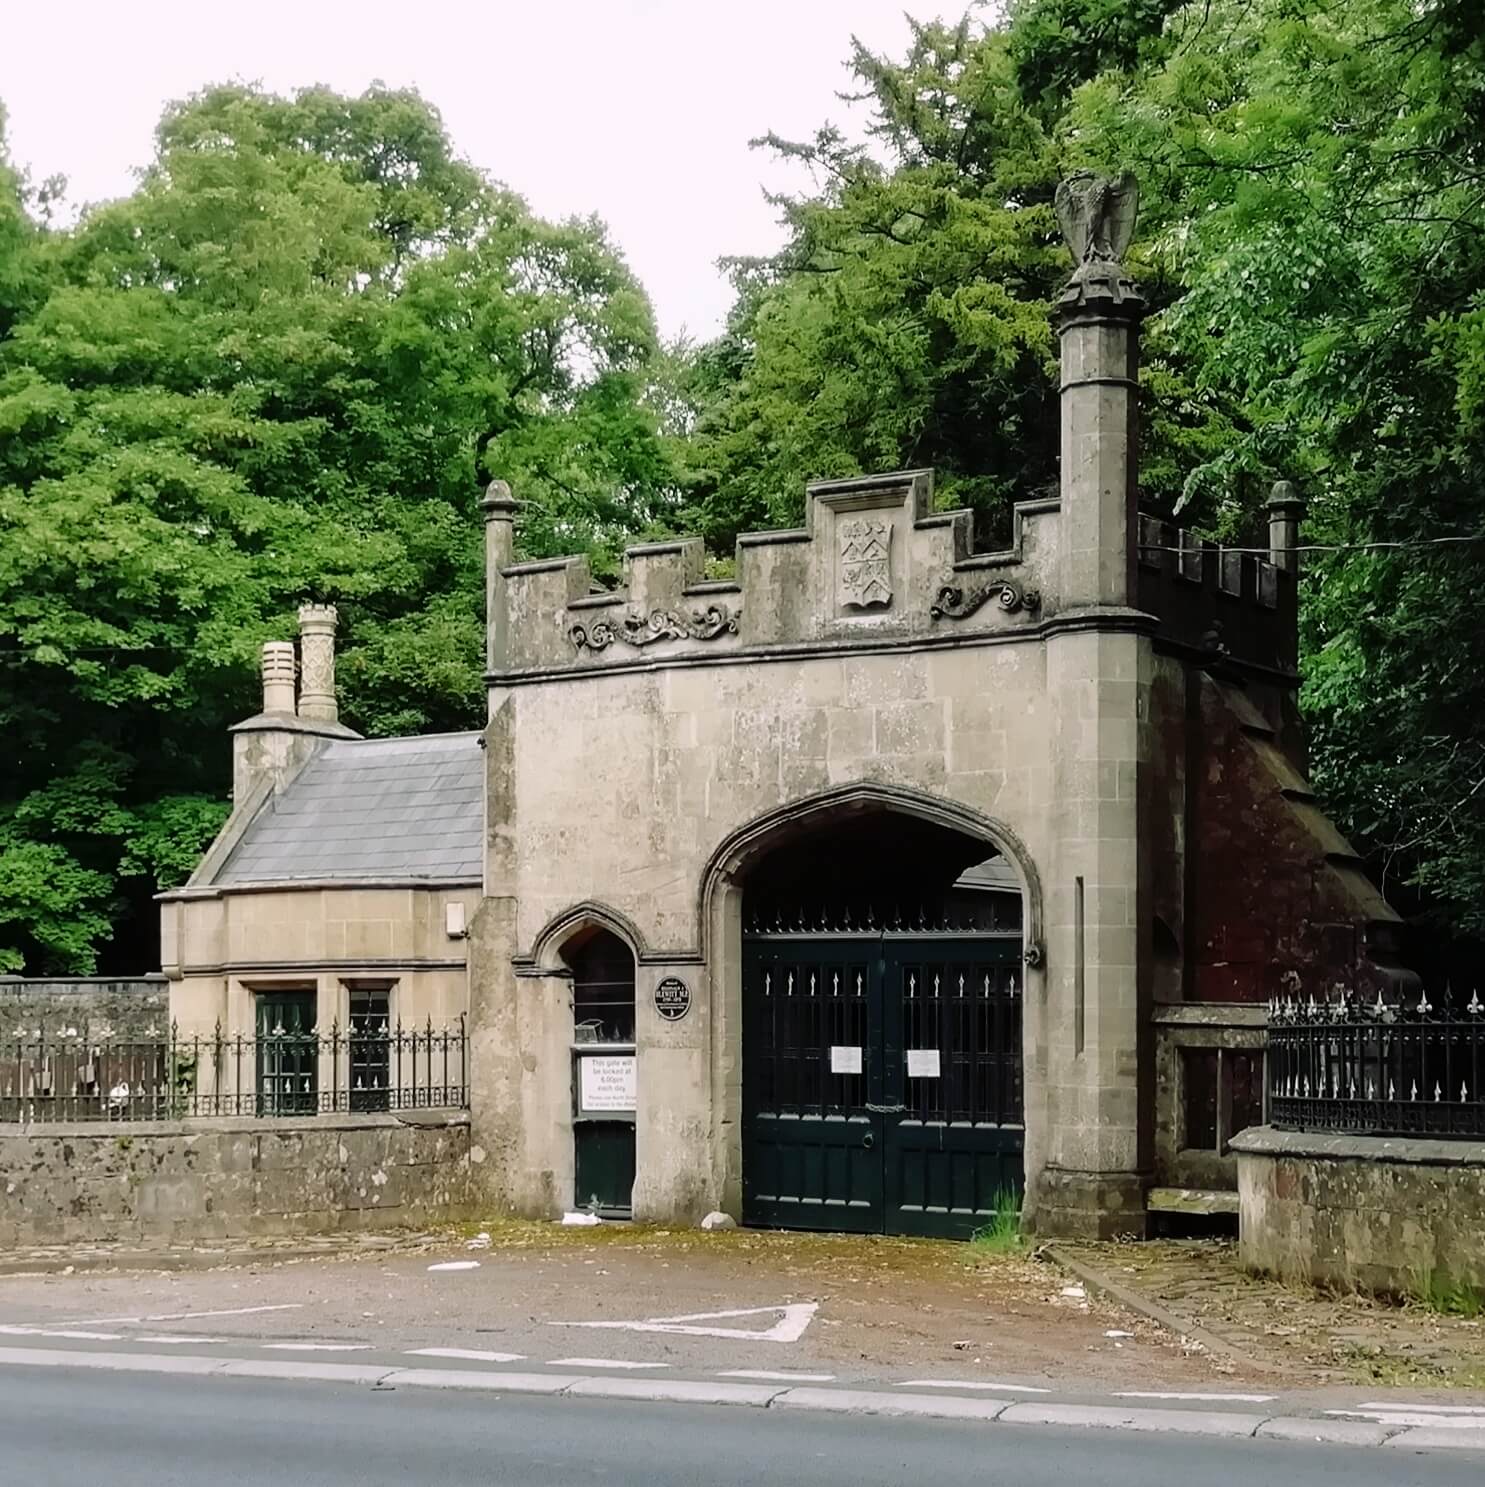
{"x": 1413, "y": 1068}
{"x": 72, "y": 1077}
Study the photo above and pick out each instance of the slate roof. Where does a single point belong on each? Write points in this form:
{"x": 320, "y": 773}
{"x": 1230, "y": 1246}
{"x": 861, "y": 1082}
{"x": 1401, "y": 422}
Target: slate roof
{"x": 372, "y": 809}
{"x": 993, "y": 873}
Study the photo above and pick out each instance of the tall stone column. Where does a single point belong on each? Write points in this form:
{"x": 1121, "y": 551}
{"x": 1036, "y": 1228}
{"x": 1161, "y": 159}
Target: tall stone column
{"x": 317, "y": 663}
{"x": 1094, "y": 1143}
{"x": 500, "y": 547}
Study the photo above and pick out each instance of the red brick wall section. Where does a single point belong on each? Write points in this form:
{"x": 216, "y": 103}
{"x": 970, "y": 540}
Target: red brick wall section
{"x": 1277, "y": 904}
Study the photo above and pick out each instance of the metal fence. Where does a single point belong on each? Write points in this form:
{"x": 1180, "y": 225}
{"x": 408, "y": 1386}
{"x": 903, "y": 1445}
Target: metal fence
{"x": 72, "y": 1077}
{"x": 1387, "y": 1069}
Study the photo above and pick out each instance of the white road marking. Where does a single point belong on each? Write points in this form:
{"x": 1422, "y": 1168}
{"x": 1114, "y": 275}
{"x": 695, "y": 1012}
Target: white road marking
{"x": 76, "y": 1336}
{"x": 1437, "y": 1409}
{"x": 191, "y": 1316}
{"x": 1201, "y": 1398}
{"x": 789, "y": 1328}
{"x": 777, "y": 1378}
{"x": 601, "y": 1363}
{"x": 969, "y": 1384}
{"x": 172, "y": 1337}
{"x": 456, "y": 1265}
{"x": 319, "y": 1347}
{"x": 470, "y": 1355}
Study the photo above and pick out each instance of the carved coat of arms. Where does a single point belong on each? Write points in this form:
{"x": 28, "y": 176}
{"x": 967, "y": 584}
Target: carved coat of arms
{"x": 866, "y": 561}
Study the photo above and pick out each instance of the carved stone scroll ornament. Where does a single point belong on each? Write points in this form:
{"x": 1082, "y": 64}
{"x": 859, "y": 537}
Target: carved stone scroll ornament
{"x": 954, "y": 603}
{"x": 636, "y": 628}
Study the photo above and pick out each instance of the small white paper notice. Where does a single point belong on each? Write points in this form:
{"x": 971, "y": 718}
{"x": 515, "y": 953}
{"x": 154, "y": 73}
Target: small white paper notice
{"x": 845, "y": 1060}
{"x": 922, "y": 1063}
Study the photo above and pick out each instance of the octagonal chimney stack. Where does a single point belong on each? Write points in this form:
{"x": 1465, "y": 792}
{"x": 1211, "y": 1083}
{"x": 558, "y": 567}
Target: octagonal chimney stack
{"x": 317, "y": 663}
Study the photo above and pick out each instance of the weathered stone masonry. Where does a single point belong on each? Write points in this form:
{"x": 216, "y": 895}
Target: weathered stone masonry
{"x": 1107, "y": 703}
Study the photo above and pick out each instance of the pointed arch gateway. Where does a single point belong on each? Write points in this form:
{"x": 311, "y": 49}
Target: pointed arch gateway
{"x": 882, "y": 936}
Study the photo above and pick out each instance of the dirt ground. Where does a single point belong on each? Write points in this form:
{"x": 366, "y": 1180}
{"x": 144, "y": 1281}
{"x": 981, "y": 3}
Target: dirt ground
{"x": 884, "y": 1309}
{"x": 1297, "y": 1329}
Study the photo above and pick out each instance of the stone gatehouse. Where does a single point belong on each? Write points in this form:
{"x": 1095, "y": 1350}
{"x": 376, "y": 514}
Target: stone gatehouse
{"x": 863, "y": 888}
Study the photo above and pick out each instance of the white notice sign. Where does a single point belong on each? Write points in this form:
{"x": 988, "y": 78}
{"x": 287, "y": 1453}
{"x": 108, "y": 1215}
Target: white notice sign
{"x": 845, "y": 1060}
{"x": 922, "y": 1063}
{"x": 606, "y": 1081}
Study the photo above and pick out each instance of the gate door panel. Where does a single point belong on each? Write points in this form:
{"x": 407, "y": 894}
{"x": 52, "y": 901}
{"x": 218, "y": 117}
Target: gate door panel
{"x": 812, "y": 1143}
{"x": 954, "y": 1135}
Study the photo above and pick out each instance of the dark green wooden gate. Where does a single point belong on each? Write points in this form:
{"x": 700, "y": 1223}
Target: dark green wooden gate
{"x": 881, "y": 1080}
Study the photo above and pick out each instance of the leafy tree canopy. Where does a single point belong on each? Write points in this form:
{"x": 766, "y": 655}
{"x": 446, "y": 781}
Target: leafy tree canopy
{"x": 1313, "y": 250}
{"x": 279, "y": 370}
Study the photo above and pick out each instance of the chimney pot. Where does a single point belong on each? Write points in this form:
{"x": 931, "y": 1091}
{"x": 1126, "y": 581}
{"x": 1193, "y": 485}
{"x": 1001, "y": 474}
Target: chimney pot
{"x": 278, "y": 676}
{"x": 317, "y": 663}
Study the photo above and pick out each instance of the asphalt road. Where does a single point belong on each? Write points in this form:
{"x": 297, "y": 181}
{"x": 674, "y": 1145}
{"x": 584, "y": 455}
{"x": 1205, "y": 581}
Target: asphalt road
{"x": 60, "y": 1427}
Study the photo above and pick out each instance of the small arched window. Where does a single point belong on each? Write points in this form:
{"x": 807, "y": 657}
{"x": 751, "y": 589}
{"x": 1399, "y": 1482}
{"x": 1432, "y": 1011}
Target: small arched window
{"x": 602, "y": 987}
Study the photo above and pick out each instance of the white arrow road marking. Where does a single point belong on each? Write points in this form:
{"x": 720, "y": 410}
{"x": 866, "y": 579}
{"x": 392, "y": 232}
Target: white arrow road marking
{"x": 968, "y": 1384}
{"x": 789, "y": 1328}
{"x": 1203, "y": 1398}
{"x": 190, "y": 1316}
{"x": 471, "y": 1355}
{"x": 601, "y": 1363}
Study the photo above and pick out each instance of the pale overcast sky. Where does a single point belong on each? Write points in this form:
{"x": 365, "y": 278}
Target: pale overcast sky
{"x": 639, "y": 110}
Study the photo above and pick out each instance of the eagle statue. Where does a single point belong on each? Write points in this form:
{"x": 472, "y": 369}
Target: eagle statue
{"x": 1096, "y": 215}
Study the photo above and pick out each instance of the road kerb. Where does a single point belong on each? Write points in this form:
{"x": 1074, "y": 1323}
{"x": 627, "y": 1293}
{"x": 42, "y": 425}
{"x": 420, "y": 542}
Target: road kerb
{"x": 1175, "y": 1422}
{"x": 327, "y": 1373}
{"x": 677, "y": 1391}
{"x": 115, "y": 1362}
{"x": 475, "y": 1378}
{"x": 1431, "y": 1438}
{"x": 877, "y": 1402}
{"x": 1327, "y": 1432}
{"x": 841, "y": 1401}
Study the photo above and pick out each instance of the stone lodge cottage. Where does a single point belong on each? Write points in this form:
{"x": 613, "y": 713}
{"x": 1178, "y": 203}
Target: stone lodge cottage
{"x": 852, "y": 892}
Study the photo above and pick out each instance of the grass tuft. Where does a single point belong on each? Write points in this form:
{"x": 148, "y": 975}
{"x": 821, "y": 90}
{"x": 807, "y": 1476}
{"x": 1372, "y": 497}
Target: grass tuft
{"x": 1442, "y": 1293}
{"x": 1002, "y": 1235}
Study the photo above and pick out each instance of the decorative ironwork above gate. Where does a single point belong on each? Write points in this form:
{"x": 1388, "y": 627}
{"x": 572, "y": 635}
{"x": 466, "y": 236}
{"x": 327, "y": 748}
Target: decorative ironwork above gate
{"x": 999, "y": 916}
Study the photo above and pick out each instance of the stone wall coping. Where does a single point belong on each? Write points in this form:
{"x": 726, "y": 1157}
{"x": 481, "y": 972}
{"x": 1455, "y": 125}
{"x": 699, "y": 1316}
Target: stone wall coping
{"x": 23, "y": 983}
{"x": 308, "y": 885}
{"x": 1210, "y": 1014}
{"x": 237, "y": 1125}
{"x": 1336, "y": 1146}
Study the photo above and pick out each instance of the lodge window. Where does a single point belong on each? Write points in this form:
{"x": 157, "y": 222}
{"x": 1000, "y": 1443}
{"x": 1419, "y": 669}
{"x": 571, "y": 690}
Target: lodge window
{"x": 1223, "y": 1089}
{"x": 369, "y": 1047}
{"x": 287, "y": 1052}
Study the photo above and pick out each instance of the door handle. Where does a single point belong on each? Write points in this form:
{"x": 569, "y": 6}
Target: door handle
{"x": 868, "y": 1140}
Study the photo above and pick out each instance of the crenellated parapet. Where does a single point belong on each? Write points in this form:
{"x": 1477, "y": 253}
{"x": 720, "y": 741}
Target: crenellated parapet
{"x": 873, "y": 564}
{"x": 1224, "y": 601}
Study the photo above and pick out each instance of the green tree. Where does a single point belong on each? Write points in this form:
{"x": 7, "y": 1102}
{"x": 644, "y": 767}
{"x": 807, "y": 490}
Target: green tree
{"x": 279, "y": 370}
{"x": 1314, "y": 181}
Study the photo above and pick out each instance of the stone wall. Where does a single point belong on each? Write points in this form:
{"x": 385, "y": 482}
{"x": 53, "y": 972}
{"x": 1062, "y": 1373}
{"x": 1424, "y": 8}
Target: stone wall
{"x": 1376, "y": 1213}
{"x": 224, "y": 1179}
{"x": 126, "y": 1010}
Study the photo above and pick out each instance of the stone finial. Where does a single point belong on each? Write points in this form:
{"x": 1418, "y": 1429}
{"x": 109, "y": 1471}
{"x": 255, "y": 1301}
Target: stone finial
{"x": 317, "y": 663}
{"x": 278, "y": 676}
{"x": 1285, "y": 507}
{"x": 497, "y": 503}
{"x": 1097, "y": 216}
